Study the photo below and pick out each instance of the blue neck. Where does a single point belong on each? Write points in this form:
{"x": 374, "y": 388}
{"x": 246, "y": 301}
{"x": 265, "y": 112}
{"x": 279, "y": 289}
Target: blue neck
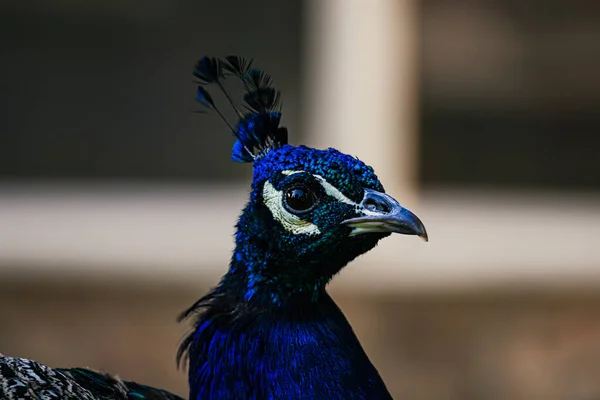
{"x": 264, "y": 275}
{"x": 269, "y": 330}
{"x": 298, "y": 351}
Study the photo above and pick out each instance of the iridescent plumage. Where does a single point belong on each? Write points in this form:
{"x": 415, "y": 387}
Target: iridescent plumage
{"x": 26, "y": 379}
{"x": 269, "y": 330}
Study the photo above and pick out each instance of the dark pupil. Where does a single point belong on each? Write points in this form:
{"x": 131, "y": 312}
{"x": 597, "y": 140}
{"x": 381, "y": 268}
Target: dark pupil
{"x": 299, "y": 199}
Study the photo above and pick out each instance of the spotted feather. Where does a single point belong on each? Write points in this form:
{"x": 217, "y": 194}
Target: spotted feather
{"x": 25, "y": 379}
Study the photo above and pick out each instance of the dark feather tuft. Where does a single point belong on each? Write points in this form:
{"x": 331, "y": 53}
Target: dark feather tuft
{"x": 208, "y": 70}
{"x": 256, "y": 79}
{"x": 258, "y": 131}
{"x": 262, "y": 100}
{"x": 204, "y": 98}
{"x": 241, "y": 153}
{"x": 195, "y": 310}
{"x": 281, "y": 136}
{"x": 237, "y": 65}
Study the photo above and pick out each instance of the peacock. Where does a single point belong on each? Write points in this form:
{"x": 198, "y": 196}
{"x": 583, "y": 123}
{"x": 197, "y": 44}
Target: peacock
{"x": 269, "y": 329}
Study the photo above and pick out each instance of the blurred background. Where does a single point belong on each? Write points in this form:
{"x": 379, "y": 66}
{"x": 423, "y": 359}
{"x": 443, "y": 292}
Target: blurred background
{"x": 117, "y": 203}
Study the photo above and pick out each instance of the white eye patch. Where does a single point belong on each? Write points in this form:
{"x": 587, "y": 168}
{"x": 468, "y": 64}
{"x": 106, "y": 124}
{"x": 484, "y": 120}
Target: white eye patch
{"x": 334, "y": 192}
{"x": 274, "y": 201}
{"x": 328, "y": 187}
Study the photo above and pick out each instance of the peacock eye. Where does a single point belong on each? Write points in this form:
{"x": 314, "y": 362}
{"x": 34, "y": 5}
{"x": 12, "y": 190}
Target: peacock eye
{"x": 299, "y": 199}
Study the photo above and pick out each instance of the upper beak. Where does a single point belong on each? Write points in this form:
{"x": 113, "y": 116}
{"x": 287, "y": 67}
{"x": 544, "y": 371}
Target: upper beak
{"x": 382, "y": 213}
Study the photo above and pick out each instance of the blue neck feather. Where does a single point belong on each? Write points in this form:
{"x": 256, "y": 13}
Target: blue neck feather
{"x": 263, "y": 274}
{"x": 304, "y": 350}
{"x": 269, "y": 330}
{"x": 255, "y": 341}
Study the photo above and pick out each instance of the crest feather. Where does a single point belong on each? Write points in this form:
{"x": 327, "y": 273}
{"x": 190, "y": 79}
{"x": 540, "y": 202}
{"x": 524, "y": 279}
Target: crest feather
{"x": 208, "y": 70}
{"x": 257, "y": 131}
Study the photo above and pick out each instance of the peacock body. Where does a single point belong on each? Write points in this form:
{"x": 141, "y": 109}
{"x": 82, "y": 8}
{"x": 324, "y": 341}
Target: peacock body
{"x": 269, "y": 330}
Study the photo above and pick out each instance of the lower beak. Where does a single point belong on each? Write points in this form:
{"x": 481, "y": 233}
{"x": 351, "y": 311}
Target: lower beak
{"x": 383, "y": 214}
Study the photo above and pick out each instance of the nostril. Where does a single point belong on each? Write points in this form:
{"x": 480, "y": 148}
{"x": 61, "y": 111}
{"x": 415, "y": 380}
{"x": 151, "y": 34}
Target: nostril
{"x": 373, "y": 205}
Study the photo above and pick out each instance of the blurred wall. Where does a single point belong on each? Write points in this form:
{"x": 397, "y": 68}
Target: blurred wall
{"x": 102, "y": 91}
{"x": 510, "y": 94}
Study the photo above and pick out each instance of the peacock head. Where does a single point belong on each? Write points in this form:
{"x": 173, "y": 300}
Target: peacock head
{"x": 310, "y": 211}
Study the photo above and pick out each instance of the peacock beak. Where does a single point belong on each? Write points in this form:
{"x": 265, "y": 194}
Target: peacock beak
{"x": 382, "y": 213}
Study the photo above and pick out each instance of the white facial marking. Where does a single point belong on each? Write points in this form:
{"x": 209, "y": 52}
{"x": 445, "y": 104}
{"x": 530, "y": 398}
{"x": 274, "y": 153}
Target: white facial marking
{"x": 328, "y": 187}
{"x": 297, "y": 226}
{"x": 273, "y": 199}
{"x": 334, "y": 192}
{"x": 289, "y": 172}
